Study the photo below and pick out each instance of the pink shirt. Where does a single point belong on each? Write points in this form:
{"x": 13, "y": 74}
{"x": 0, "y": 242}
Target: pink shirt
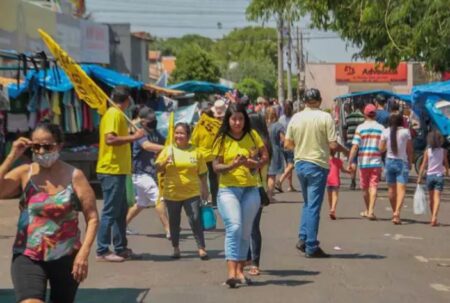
{"x": 334, "y": 178}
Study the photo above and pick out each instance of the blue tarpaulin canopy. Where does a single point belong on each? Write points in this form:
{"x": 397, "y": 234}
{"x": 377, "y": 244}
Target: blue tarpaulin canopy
{"x": 55, "y": 79}
{"x": 200, "y": 87}
{"x": 425, "y": 99}
{"x": 403, "y": 97}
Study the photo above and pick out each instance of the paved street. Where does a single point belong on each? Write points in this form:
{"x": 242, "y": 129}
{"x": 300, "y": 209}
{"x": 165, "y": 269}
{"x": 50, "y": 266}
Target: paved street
{"x": 372, "y": 261}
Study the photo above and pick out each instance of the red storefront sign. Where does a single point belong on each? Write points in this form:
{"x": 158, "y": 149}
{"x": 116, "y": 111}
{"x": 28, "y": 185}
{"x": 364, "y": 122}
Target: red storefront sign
{"x": 370, "y": 72}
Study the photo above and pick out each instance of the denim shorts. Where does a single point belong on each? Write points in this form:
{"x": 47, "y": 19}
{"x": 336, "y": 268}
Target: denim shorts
{"x": 435, "y": 182}
{"x": 397, "y": 171}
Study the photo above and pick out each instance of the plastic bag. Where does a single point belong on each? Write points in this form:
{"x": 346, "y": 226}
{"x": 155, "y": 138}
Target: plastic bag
{"x": 208, "y": 217}
{"x": 420, "y": 200}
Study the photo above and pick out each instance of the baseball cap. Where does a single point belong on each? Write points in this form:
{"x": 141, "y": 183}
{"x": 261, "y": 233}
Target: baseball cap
{"x": 370, "y": 110}
{"x": 219, "y": 108}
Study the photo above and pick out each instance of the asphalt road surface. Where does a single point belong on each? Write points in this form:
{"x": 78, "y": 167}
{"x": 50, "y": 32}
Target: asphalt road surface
{"x": 372, "y": 261}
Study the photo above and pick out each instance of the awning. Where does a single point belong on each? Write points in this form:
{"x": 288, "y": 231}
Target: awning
{"x": 162, "y": 90}
{"x": 201, "y": 87}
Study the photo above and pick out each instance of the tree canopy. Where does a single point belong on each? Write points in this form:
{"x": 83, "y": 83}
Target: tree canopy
{"x": 251, "y": 87}
{"x": 194, "y": 63}
{"x": 389, "y": 31}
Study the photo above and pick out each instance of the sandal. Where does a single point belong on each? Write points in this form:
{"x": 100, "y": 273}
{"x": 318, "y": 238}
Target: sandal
{"x": 332, "y": 215}
{"x": 396, "y": 220}
{"x": 434, "y": 223}
{"x": 372, "y": 217}
{"x": 363, "y": 214}
{"x": 254, "y": 271}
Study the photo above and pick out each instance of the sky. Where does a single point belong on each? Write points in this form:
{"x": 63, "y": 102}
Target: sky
{"x": 210, "y": 18}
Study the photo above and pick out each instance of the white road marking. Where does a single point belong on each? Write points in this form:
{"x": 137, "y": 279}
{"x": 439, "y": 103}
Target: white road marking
{"x": 400, "y": 236}
{"x": 440, "y": 287}
{"x": 422, "y": 259}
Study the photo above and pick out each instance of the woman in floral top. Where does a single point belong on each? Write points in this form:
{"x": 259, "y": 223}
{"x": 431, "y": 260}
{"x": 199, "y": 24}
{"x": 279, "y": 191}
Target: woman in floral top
{"x": 48, "y": 246}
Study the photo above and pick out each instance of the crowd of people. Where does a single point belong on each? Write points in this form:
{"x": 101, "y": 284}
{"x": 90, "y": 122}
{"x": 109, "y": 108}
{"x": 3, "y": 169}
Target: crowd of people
{"x": 255, "y": 149}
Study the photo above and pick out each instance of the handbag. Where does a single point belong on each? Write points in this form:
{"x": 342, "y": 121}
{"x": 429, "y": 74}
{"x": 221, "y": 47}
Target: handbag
{"x": 208, "y": 216}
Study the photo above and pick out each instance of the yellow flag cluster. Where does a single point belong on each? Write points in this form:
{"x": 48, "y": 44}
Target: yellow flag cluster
{"x": 87, "y": 90}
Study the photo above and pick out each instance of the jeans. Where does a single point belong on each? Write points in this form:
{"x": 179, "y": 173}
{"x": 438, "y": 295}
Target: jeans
{"x": 313, "y": 179}
{"x": 254, "y": 253}
{"x": 192, "y": 208}
{"x": 114, "y": 214}
{"x": 213, "y": 183}
{"x": 397, "y": 171}
{"x": 435, "y": 182}
{"x": 238, "y": 207}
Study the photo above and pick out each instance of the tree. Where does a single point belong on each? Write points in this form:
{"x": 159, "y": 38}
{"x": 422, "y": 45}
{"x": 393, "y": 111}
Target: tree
{"x": 194, "y": 63}
{"x": 284, "y": 11}
{"x": 262, "y": 70}
{"x": 247, "y": 43}
{"x": 172, "y": 46}
{"x": 389, "y": 31}
{"x": 250, "y": 87}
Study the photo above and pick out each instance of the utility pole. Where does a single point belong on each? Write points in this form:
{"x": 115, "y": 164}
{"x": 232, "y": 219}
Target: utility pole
{"x": 289, "y": 62}
{"x": 280, "y": 52}
{"x": 300, "y": 63}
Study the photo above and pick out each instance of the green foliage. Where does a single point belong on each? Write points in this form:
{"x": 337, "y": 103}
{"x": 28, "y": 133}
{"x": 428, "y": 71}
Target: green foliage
{"x": 250, "y": 87}
{"x": 389, "y": 31}
{"x": 263, "y": 10}
{"x": 247, "y": 43}
{"x": 172, "y": 46}
{"x": 263, "y": 71}
{"x": 194, "y": 63}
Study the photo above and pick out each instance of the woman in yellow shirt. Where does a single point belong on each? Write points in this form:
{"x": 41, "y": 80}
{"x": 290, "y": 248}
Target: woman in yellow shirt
{"x": 185, "y": 186}
{"x": 240, "y": 153}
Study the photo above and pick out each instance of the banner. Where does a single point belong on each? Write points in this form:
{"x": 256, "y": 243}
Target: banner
{"x": 182, "y": 114}
{"x": 87, "y": 90}
{"x": 370, "y": 72}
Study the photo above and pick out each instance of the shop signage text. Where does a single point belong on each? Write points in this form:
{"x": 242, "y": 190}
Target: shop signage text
{"x": 370, "y": 72}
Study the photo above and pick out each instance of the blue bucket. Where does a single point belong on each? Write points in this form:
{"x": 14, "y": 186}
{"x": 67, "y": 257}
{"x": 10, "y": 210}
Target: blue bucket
{"x": 208, "y": 217}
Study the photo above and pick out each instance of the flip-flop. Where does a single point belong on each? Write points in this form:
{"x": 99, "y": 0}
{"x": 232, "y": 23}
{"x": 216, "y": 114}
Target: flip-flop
{"x": 332, "y": 215}
{"x": 372, "y": 217}
{"x": 254, "y": 271}
{"x": 363, "y": 214}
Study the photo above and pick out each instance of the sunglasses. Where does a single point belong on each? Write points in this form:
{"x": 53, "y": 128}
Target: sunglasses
{"x": 48, "y": 147}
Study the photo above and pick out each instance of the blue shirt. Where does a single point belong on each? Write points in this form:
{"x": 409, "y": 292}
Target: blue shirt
{"x": 382, "y": 117}
{"x": 143, "y": 160}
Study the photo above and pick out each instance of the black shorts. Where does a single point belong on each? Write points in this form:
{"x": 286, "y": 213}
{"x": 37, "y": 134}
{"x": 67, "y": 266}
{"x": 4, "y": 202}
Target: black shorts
{"x": 30, "y": 279}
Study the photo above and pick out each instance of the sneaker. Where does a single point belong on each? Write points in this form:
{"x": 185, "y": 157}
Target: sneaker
{"x": 131, "y": 232}
{"x": 301, "y": 246}
{"x": 319, "y": 253}
{"x": 109, "y": 257}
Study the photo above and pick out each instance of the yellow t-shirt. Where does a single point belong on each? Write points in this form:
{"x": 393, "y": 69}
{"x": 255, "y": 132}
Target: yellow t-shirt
{"x": 181, "y": 178}
{"x": 113, "y": 160}
{"x": 204, "y": 134}
{"x": 312, "y": 130}
{"x": 229, "y": 148}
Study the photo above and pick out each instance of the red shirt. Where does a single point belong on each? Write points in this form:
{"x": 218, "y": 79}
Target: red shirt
{"x": 334, "y": 178}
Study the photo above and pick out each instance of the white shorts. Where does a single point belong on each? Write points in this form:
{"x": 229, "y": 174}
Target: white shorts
{"x": 146, "y": 190}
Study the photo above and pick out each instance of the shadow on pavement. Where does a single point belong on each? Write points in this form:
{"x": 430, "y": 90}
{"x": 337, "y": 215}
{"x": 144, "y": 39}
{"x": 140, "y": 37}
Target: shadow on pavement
{"x": 281, "y": 283}
{"x": 213, "y": 254}
{"x": 95, "y": 295}
{"x": 358, "y": 256}
{"x": 289, "y": 272}
{"x": 5, "y": 237}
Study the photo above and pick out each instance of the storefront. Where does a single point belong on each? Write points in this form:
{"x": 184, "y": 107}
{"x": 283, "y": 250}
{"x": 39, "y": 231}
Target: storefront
{"x": 334, "y": 79}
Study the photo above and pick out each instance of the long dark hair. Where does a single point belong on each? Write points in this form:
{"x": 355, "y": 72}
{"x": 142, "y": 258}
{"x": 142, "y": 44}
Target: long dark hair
{"x": 434, "y": 139}
{"x": 232, "y": 109}
{"x": 288, "y": 109}
{"x": 395, "y": 121}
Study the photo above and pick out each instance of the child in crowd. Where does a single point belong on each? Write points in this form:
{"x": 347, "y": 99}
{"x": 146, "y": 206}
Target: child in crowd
{"x": 334, "y": 182}
{"x": 435, "y": 157}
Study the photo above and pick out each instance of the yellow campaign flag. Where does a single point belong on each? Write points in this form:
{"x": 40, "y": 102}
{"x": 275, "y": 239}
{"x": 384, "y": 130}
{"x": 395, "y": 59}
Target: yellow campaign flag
{"x": 85, "y": 87}
{"x": 204, "y": 134}
{"x": 170, "y": 130}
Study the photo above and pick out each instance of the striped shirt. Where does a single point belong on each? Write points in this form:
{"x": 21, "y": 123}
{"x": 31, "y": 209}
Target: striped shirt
{"x": 351, "y": 123}
{"x": 367, "y": 137}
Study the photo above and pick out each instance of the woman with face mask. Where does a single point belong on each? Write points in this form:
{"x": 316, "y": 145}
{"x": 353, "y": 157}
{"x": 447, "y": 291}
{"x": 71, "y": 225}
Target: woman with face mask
{"x": 48, "y": 246}
{"x": 185, "y": 186}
